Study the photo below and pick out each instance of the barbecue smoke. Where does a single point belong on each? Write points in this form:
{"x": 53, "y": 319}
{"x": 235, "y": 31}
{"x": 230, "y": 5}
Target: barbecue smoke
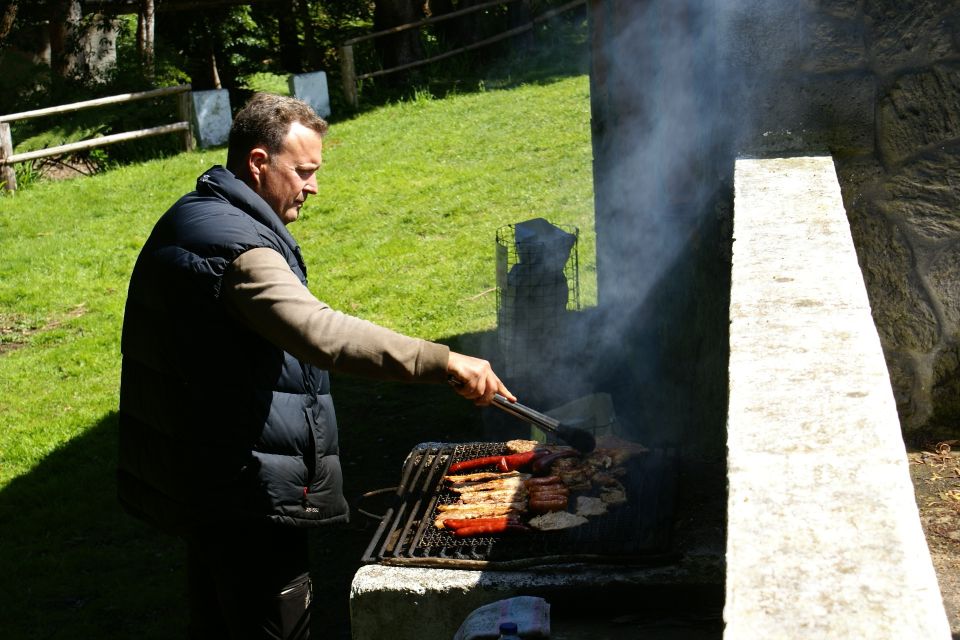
{"x": 676, "y": 88}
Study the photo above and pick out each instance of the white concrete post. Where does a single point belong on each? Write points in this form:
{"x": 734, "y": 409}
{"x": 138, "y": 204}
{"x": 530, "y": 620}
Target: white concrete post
{"x": 211, "y": 117}
{"x": 312, "y": 89}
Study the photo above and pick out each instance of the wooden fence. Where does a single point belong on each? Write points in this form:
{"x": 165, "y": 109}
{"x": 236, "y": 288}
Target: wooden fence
{"x": 8, "y": 158}
{"x": 347, "y": 67}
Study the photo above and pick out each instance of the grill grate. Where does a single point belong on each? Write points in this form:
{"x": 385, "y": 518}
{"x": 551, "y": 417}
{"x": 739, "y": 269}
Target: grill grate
{"x": 638, "y": 531}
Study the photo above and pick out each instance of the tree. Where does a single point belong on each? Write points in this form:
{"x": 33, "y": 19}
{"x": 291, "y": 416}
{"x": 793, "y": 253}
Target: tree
{"x": 145, "y": 37}
{"x": 65, "y": 58}
{"x": 403, "y": 47}
{"x": 8, "y": 17}
{"x": 216, "y": 46}
{"x": 289, "y": 33}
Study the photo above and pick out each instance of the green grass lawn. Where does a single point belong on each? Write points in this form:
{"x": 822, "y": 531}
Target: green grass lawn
{"x": 402, "y": 233}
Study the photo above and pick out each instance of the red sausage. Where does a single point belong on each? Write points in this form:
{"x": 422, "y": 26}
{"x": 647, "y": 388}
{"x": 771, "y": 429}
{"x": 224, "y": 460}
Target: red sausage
{"x": 517, "y": 460}
{"x": 485, "y": 530}
{"x": 474, "y": 463}
{"x": 504, "y": 463}
{"x": 460, "y": 523}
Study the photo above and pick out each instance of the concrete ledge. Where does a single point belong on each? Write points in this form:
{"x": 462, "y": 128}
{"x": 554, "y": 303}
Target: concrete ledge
{"x": 408, "y": 603}
{"x": 823, "y": 539}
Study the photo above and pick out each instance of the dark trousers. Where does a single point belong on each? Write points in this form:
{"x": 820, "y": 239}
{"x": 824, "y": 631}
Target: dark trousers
{"x": 249, "y": 583}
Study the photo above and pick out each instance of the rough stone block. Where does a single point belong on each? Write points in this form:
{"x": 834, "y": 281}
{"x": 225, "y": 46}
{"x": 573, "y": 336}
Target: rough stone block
{"x": 312, "y": 89}
{"x": 944, "y": 280}
{"x": 832, "y": 45}
{"x": 919, "y": 110}
{"x": 901, "y": 308}
{"x": 759, "y": 36}
{"x": 945, "y": 392}
{"x": 841, "y": 107}
{"x": 792, "y": 112}
{"x": 211, "y": 117}
{"x": 917, "y": 194}
{"x": 903, "y": 38}
{"x": 837, "y": 8}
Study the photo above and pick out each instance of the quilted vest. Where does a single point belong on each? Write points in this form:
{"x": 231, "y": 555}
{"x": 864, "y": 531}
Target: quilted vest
{"x": 217, "y": 425}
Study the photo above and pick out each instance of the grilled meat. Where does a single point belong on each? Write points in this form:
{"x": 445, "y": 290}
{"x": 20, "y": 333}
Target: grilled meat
{"x": 482, "y": 476}
{"x": 504, "y": 484}
{"x": 588, "y": 506}
{"x": 557, "y": 520}
{"x": 465, "y": 511}
{"x": 504, "y": 495}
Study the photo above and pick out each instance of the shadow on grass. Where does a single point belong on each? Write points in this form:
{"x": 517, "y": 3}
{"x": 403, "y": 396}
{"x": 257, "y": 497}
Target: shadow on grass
{"x": 76, "y": 566}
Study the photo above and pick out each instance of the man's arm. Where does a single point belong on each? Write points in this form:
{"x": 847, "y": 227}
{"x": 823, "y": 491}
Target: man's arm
{"x": 266, "y": 295}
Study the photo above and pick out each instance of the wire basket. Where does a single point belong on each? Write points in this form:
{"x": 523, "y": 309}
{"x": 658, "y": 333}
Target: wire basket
{"x": 538, "y": 284}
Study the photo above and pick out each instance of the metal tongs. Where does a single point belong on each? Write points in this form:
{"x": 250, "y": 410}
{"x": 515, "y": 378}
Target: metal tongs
{"x": 580, "y": 439}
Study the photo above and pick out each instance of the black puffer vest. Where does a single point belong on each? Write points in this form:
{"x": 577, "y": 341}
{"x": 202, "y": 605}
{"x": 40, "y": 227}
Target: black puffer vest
{"x": 217, "y": 424}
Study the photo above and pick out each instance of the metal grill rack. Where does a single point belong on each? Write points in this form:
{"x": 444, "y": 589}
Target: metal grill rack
{"x": 638, "y": 532}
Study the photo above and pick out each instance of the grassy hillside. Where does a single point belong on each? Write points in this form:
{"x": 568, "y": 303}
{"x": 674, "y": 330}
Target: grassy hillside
{"x": 402, "y": 233}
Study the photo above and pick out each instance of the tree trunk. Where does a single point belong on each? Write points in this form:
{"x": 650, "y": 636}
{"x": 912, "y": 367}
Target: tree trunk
{"x": 289, "y": 36}
{"x": 64, "y": 48}
{"x": 309, "y": 36}
{"x": 403, "y": 47}
{"x": 8, "y": 17}
{"x": 145, "y": 40}
{"x": 214, "y": 71}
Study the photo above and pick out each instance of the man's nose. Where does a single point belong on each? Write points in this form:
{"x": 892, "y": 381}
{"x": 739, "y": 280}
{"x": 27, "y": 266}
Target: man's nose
{"x": 311, "y": 185}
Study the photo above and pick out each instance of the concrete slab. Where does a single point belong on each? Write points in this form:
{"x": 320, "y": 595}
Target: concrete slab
{"x": 211, "y": 117}
{"x": 823, "y": 538}
{"x": 408, "y": 603}
{"x": 312, "y": 89}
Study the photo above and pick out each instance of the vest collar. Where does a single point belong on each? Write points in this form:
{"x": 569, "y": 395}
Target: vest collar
{"x": 220, "y": 182}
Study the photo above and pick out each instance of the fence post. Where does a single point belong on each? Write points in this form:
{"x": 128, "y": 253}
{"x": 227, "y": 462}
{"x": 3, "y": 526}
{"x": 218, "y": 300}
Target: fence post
{"x": 349, "y": 75}
{"x": 184, "y": 109}
{"x": 7, "y": 175}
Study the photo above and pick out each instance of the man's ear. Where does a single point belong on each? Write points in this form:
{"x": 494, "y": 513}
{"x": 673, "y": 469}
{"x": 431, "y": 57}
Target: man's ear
{"x": 256, "y": 159}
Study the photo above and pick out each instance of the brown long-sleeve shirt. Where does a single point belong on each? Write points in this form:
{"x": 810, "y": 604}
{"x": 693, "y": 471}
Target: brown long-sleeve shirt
{"x": 265, "y": 294}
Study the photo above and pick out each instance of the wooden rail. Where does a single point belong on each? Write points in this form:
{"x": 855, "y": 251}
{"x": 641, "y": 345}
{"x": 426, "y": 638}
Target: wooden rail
{"x": 8, "y": 158}
{"x": 348, "y": 68}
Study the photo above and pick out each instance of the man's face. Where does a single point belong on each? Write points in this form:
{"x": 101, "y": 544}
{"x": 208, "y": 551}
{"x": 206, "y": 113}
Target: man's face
{"x": 285, "y": 179}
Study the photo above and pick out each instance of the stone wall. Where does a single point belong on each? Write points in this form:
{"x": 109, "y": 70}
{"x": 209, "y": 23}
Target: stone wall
{"x": 877, "y": 83}
{"x": 679, "y": 89}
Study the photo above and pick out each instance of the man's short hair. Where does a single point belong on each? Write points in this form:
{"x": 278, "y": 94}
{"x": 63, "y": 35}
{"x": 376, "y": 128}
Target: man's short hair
{"x": 265, "y": 121}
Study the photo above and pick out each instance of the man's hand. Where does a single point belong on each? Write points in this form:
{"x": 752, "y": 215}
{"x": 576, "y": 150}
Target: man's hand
{"x": 475, "y": 380}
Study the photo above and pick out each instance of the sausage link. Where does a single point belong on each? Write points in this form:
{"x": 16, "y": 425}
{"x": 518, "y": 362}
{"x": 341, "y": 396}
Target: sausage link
{"x": 548, "y": 504}
{"x": 531, "y": 482}
{"x": 549, "y": 497}
{"x": 549, "y": 488}
{"x": 474, "y": 463}
{"x": 460, "y": 523}
{"x": 486, "y": 530}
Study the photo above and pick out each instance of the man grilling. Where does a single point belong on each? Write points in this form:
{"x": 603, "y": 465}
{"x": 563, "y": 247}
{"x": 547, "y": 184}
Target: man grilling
{"x": 228, "y": 436}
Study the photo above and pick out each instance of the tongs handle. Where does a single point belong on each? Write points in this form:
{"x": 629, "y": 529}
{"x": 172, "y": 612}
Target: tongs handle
{"x": 526, "y": 413}
{"x": 579, "y": 439}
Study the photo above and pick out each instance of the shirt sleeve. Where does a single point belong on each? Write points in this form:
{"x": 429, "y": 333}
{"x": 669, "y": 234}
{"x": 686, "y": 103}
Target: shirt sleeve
{"x": 267, "y": 296}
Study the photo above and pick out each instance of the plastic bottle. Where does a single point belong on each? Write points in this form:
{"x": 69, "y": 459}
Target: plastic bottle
{"x": 508, "y": 631}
